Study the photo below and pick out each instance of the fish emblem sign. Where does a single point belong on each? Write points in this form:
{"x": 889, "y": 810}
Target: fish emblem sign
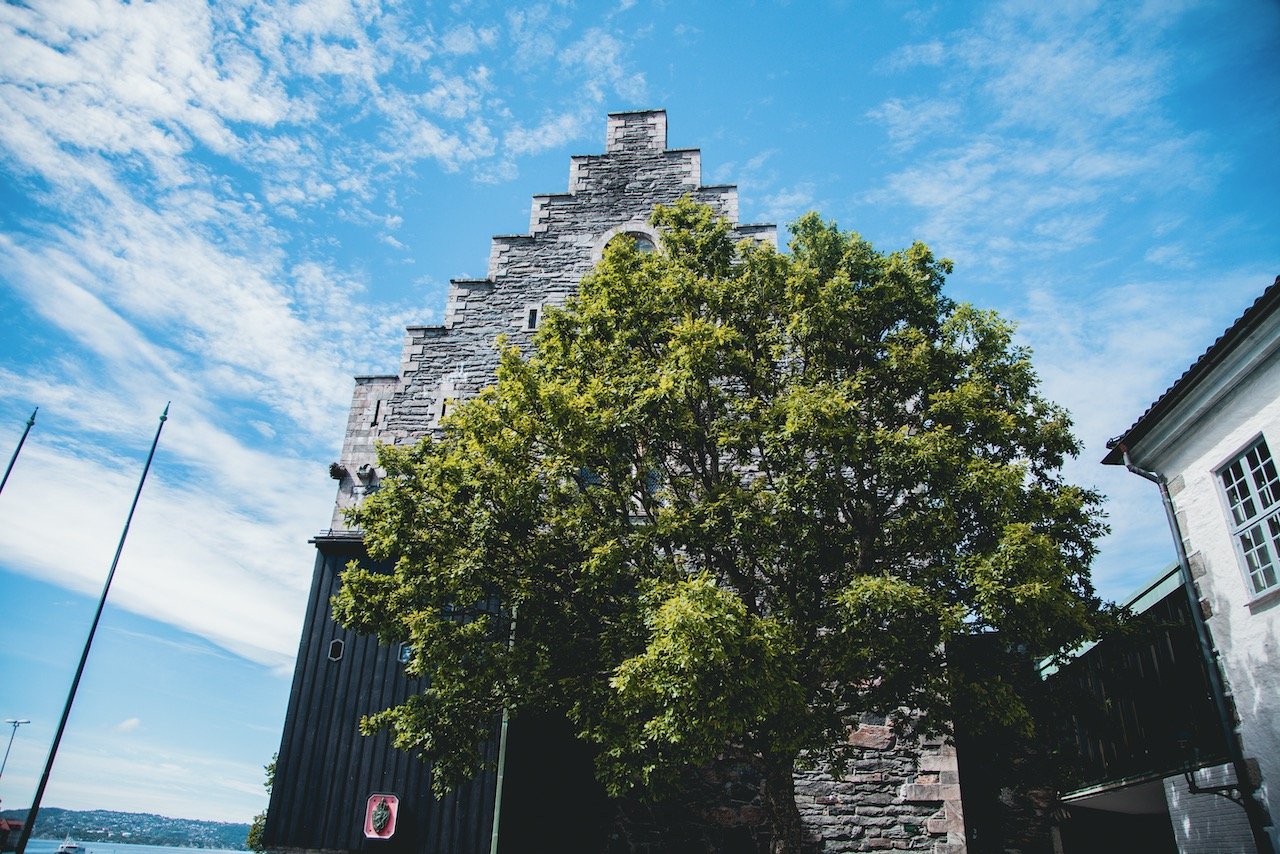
{"x": 380, "y": 816}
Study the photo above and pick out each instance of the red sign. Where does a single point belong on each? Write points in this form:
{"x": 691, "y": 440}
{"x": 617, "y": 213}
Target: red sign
{"x": 380, "y": 816}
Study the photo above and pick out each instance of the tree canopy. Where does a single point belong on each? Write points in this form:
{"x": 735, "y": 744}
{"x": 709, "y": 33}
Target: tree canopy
{"x": 732, "y": 498}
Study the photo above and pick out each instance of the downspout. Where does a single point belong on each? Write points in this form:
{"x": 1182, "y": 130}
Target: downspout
{"x": 1255, "y": 811}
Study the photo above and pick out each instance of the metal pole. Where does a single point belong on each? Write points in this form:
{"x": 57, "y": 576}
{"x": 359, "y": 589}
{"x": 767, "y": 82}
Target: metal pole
{"x": 502, "y": 752}
{"x": 16, "y": 724}
{"x": 30, "y": 423}
{"x": 30, "y": 823}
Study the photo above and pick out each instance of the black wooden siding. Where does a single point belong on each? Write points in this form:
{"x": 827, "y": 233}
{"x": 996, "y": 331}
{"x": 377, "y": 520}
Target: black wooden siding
{"x": 326, "y": 770}
{"x": 1139, "y": 704}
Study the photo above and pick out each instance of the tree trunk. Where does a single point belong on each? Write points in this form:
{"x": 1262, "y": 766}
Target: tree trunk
{"x": 780, "y": 803}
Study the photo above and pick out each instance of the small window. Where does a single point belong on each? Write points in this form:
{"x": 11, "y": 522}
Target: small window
{"x": 405, "y": 653}
{"x": 532, "y": 316}
{"x": 444, "y": 408}
{"x": 335, "y": 650}
{"x": 1252, "y": 488}
{"x": 377, "y": 412}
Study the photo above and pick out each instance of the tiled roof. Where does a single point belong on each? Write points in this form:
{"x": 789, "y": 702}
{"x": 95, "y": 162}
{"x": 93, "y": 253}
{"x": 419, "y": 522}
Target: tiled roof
{"x": 1226, "y": 342}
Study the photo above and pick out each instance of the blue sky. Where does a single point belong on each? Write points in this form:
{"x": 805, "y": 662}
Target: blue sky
{"x": 237, "y": 206}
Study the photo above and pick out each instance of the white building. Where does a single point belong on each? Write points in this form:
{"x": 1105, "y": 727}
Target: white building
{"x": 1213, "y": 440}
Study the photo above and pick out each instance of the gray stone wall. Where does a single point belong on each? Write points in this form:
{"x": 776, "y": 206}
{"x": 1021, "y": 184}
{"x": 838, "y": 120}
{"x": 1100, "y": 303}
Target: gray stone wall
{"x": 370, "y": 403}
{"x": 609, "y": 194}
{"x": 894, "y": 796}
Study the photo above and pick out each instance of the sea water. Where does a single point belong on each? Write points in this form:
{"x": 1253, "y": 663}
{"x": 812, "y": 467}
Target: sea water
{"x": 50, "y": 846}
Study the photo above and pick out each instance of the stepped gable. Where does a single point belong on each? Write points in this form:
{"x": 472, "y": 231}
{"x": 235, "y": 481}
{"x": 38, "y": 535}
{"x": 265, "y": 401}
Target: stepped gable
{"x": 609, "y": 194}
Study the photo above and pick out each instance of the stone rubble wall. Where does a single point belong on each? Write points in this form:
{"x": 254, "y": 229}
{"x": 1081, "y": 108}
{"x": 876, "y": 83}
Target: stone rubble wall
{"x": 895, "y": 795}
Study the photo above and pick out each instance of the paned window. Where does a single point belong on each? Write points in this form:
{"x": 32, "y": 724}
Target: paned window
{"x": 1252, "y": 489}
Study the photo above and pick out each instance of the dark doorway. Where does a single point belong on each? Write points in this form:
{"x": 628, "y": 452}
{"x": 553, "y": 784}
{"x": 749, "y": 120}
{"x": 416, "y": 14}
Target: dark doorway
{"x": 551, "y": 800}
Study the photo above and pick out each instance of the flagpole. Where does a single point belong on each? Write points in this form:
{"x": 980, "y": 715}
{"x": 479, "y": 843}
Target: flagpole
{"x": 30, "y": 423}
{"x": 30, "y": 823}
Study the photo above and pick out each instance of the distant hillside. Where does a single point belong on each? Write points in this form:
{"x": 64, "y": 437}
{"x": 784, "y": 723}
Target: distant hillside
{"x": 134, "y": 827}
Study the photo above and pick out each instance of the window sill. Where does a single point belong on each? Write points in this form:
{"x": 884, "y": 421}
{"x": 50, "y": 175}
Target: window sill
{"x": 1264, "y": 599}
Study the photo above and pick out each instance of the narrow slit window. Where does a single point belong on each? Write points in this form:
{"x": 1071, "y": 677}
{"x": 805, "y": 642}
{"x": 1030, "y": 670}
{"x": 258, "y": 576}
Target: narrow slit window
{"x": 336, "y": 648}
{"x": 532, "y": 320}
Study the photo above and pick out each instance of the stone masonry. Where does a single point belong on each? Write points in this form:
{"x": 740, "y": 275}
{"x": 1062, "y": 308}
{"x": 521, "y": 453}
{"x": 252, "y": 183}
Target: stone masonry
{"x": 893, "y": 796}
{"x": 609, "y": 194}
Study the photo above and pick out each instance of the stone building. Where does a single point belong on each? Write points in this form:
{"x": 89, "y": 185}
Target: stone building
{"x": 894, "y": 796}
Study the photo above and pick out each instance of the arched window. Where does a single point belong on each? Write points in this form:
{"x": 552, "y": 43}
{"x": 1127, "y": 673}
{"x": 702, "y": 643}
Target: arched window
{"x": 640, "y": 232}
{"x": 644, "y": 243}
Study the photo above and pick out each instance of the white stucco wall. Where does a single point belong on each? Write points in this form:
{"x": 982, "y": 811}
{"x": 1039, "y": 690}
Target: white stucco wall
{"x": 1206, "y": 824}
{"x": 1201, "y": 435}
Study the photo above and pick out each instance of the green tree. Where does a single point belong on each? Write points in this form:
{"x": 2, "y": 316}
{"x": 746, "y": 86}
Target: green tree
{"x": 733, "y": 499}
{"x": 254, "y": 840}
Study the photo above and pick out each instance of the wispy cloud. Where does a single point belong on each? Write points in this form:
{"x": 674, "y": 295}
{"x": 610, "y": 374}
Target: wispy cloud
{"x": 1035, "y": 145}
{"x": 172, "y": 154}
{"x": 128, "y": 725}
{"x": 552, "y": 132}
{"x": 786, "y": 204}
{"x": 1095, "y": 357}
{"x": 908, "y": 56}
{"x": 464, "y": 39}
{"x": 533, "y": 31}
{"x": 909, "y": 122}
{"x": 601, "y": 56}
{"x": 161, "y": 779}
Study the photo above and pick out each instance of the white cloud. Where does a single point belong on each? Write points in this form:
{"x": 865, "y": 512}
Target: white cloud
{"x": 553, "y": 132}
{"x": 1173, "y": 255}
{"x": 455, "y": 97}
{"x": 1095, "y": 356}
{"x": 1051, "y": 112}
{"x": 930, "y": 53}
{"x": 466, "y": 39}
{"x": 533, "y": 30}
{"x": 155, "y": 779}
{"x": 128, "y": 725}
{"x": 915, "y": 120}
{"x": 230, "y": 566}
{"x": 600, "y": 55}
{"x": 786, "y": 204}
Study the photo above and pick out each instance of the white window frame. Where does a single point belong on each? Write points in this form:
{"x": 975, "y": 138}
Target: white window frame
{"x": 445, "y": 401}
{"x": 535, "y": 311}
{"x": 337, "y": 648}
{"x": 1249, "y": 484}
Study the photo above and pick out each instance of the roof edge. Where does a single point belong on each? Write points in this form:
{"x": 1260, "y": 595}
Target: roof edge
{"x": 1227, "y": 342}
